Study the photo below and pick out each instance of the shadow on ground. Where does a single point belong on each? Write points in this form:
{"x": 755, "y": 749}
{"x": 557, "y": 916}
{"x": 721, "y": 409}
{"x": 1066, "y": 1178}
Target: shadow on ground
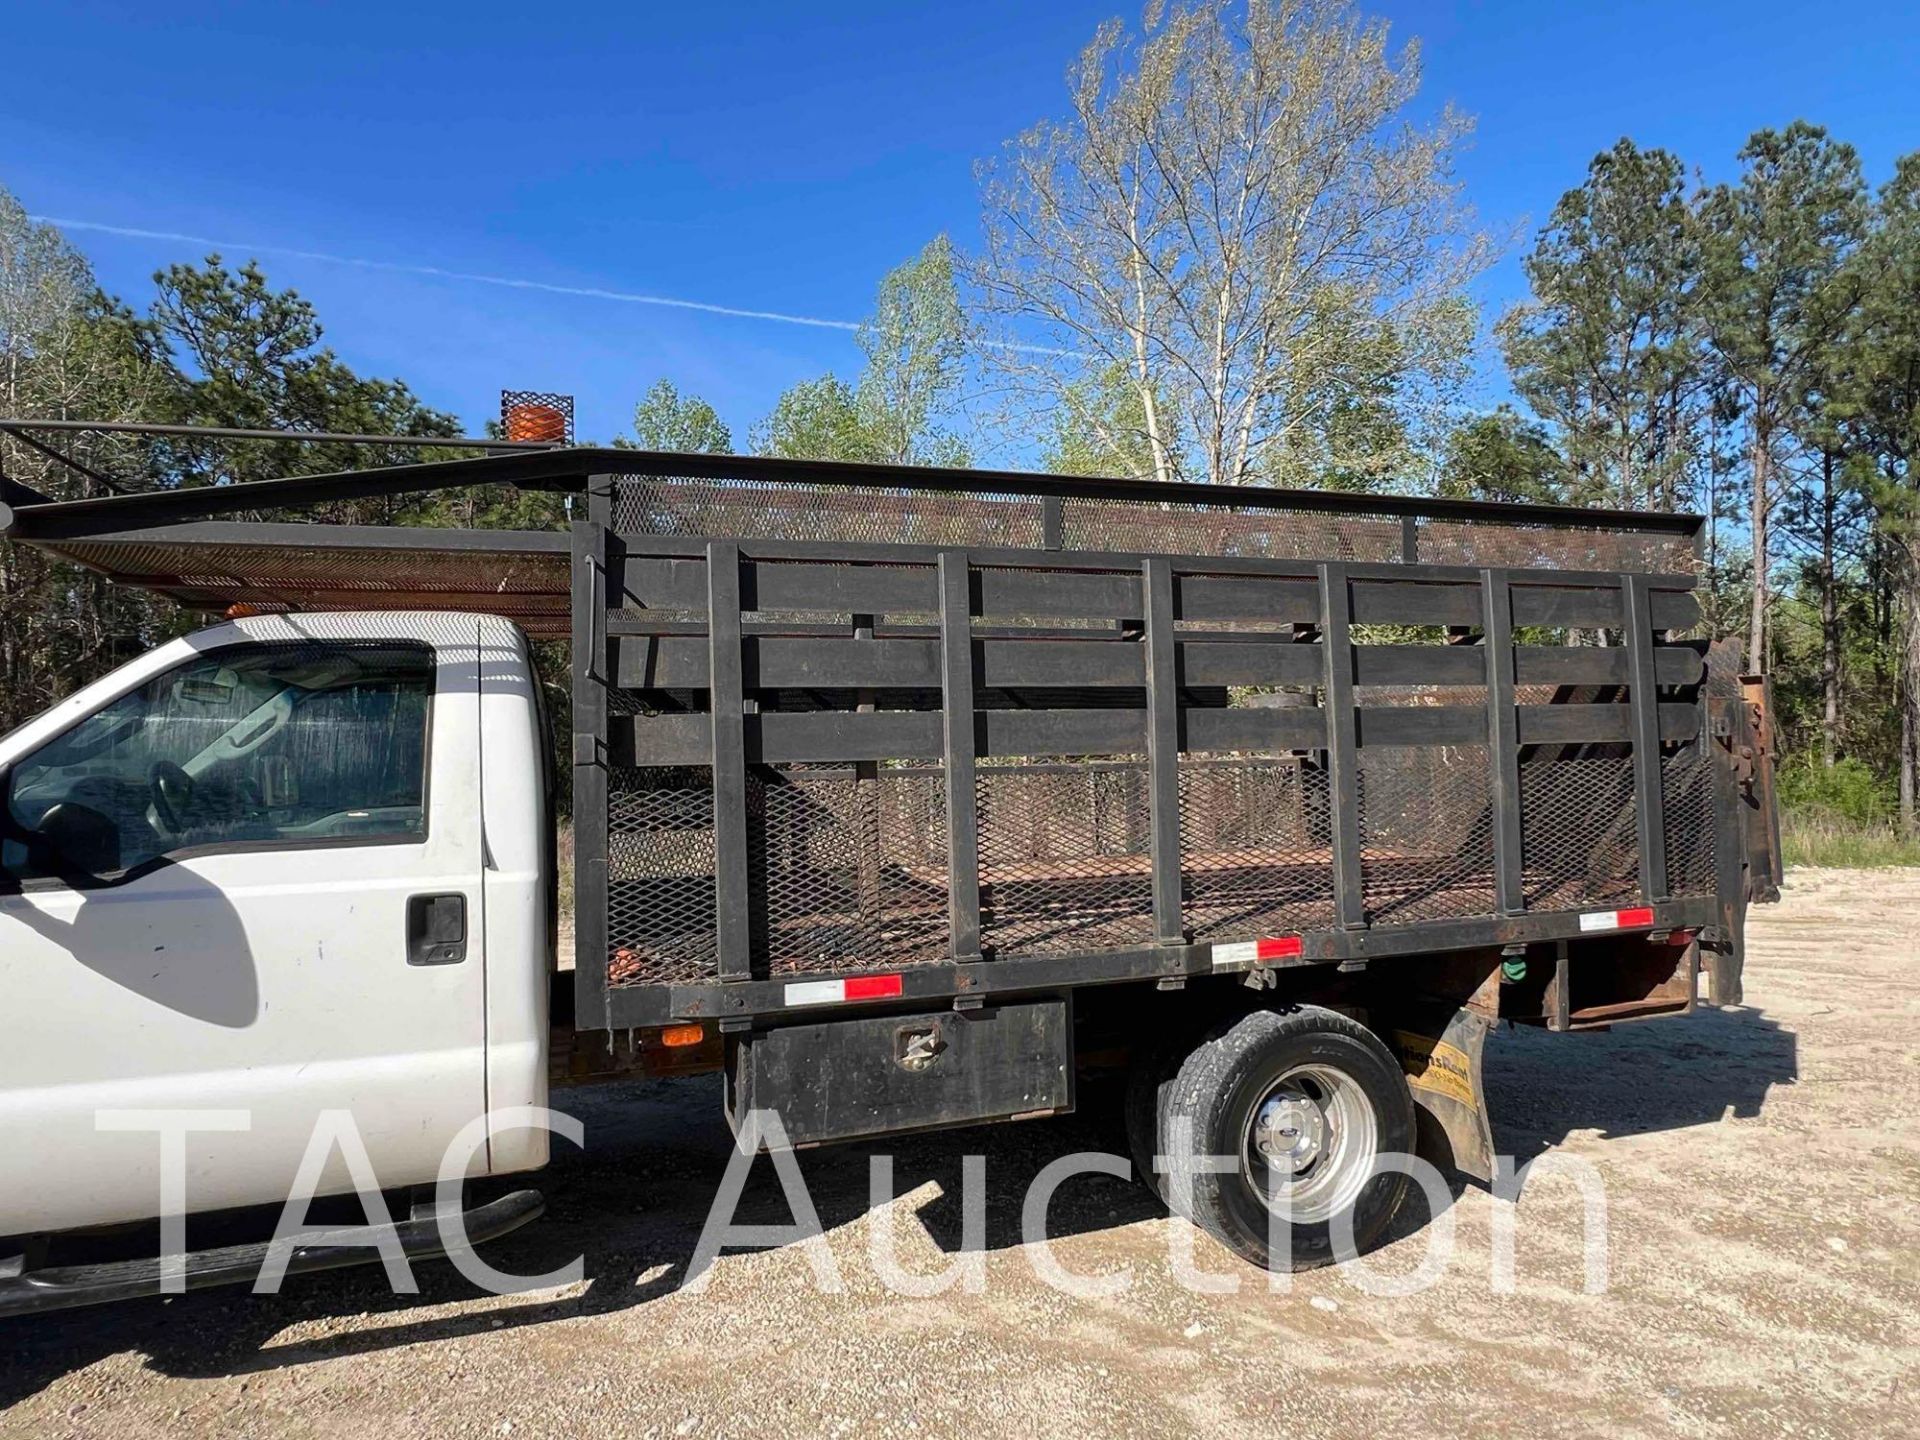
{"x": 634, "y": 1202}
{"x": 1635, "y": 1079}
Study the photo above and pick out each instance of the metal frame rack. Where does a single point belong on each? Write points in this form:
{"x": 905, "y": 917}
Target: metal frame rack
{"x": 788, "y": 751}
{"x": 943, "y": 734}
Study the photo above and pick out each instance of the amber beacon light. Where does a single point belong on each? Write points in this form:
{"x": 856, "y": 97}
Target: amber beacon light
{"x": 537, "y": 416}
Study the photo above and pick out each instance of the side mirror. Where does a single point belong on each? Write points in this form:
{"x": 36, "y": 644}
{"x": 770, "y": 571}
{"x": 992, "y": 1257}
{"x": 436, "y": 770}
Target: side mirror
{"x": 73, "y": 838}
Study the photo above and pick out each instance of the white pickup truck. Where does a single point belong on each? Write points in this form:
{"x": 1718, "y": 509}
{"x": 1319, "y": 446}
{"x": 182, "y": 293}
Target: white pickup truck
{"x": 283, "y": 866}
{"x": 901, "y": 797}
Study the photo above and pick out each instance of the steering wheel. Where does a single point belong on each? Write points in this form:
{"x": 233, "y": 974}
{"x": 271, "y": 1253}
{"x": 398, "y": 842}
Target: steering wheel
{"x": 172, "y": 790}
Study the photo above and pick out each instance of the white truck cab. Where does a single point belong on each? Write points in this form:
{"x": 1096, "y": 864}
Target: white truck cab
{"x": 286, "y": 865}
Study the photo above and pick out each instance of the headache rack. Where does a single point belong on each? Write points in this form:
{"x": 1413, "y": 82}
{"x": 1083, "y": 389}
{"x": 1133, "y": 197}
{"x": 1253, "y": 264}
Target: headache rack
{"x": 845, "y": 731}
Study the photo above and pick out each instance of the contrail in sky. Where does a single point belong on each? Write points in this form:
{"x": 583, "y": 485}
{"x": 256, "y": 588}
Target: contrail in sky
{"x": 507, "y": 282}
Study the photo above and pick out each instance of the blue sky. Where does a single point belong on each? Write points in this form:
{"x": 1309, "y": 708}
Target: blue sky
{"x": 768, "y": 157}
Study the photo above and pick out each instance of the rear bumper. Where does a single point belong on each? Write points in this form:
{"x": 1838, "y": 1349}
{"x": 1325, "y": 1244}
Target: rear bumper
{"x": 420, "y": 1239}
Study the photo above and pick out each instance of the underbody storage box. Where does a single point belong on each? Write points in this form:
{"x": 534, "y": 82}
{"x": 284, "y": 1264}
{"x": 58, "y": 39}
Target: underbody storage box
{"x": 874, "y": 1075}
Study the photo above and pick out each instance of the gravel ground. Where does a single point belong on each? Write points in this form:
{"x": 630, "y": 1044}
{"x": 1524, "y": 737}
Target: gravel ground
{"x": 1761, "y": 1171}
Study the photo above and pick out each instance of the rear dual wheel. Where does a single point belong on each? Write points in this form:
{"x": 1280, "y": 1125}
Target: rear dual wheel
{"x": 1296, "y": 1107}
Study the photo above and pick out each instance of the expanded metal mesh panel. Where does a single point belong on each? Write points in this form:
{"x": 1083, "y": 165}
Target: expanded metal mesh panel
{"x": 1216, "y": 530}
{"x": 1522, "y": 547}
{"x": 1579, "y": 840}
{"x": 670, "y": 505}
{"x": 239, "y": 564}
{"x": 849, "y": 870}
{"x": 1426, "y": 833}
{"x": 869, "y": 514}
{"x": 660, "y": 890}
{"x": 1065, "y": 860}
{"x": 848, "y": 866}
{"x": 1686, "y": 780}
{"x": 1254, "y": 842}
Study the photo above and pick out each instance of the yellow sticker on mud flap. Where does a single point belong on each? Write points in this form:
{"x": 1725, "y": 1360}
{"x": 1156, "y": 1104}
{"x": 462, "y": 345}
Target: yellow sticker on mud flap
{"x": 1437, "y": 1066}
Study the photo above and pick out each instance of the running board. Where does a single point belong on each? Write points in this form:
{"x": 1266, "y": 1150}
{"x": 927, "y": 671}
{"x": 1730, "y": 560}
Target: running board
{"x": 67, "y": 1287}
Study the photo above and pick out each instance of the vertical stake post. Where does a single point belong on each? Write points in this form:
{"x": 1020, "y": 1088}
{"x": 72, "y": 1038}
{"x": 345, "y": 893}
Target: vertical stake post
{"x": 1643, "y": 691}
{"x": 1163, "y": 748}
{"x": 732, "y": 866}
{"x": 957, "y": 715}
{"x": 1343, "y": 746}
{"x": 592, "y": 676}
{"x": 1503, "y": 743}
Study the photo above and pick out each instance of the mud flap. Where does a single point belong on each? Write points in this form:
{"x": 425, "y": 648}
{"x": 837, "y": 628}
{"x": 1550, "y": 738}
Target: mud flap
{"x": 1440, "y": 1052}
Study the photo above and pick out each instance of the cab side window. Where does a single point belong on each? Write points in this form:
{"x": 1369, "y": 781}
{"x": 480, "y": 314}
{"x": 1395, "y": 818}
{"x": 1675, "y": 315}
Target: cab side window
{"x": 269, "y": 745}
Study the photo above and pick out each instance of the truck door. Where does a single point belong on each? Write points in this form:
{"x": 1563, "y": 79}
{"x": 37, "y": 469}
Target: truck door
{"x": 243, "y": 876}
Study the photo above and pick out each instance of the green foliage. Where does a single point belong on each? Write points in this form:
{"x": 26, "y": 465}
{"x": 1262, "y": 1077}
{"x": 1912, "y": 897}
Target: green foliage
{"x": 249, "y": 356}
{"x": 1750, "y": 350}
{"x": 1099, "y": 427}
{"x": 667, "y": 420}
{"x": 915, "y": 344}
{"x": 1843, "y": 816}
{"x": 1774, "y": 288}
{"x": 1888, "y": 339}
{"x": 1605, "y": 351}
{"x": 1381, "y": 418}
{"x": 816, "y": 420}
{"x": 66, "y": 349}
{"x": 1348, "y": 430}
{"x": 1846, "y": 790}
{"x": 1242, "y": 214}
{"x": 1503, "y": 456}
{"x": 1777, "y": 294}
{"x": 1814, "y": 838}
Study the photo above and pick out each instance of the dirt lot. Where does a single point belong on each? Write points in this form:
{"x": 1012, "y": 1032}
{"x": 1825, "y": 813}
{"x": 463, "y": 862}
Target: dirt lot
{"x": 1762, "y": 1176}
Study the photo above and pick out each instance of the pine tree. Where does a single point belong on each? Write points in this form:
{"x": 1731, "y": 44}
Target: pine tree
{"x": 1888, "y": 346}
{"x": 1776, "y": 293}
{"x": 1606, "y": 351}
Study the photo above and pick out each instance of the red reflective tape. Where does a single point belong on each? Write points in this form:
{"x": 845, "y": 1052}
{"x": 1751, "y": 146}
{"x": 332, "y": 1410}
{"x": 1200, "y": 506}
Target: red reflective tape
{"x": 1280, "y": 947}
{"x": 1640, "y": 915}
{"x": 872, "y": 987}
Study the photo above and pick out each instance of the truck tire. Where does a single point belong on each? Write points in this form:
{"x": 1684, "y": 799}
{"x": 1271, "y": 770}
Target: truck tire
{"x": 1305, "y": 1101}
{"x": 1149, "y": 1072}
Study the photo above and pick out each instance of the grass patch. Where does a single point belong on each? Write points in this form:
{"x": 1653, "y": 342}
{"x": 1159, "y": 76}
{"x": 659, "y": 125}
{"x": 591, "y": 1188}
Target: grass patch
{"x": 1819, "y": 837}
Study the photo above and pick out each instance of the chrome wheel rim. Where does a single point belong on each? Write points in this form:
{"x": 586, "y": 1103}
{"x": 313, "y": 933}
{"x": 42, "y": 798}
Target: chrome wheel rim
{"x": 1310, "y": 1143}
